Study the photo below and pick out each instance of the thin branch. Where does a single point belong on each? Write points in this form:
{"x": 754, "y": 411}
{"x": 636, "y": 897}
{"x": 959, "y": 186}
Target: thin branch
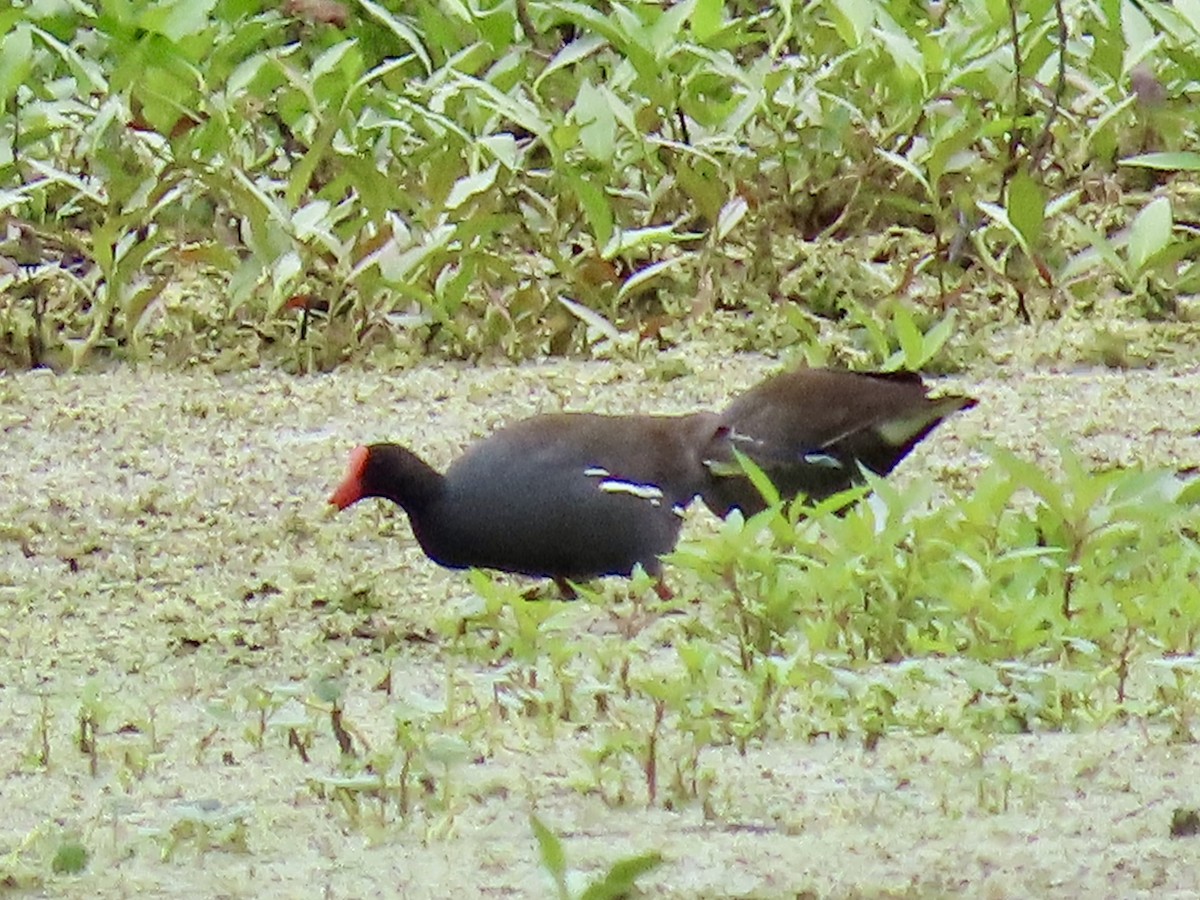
{"x": 1060, "y": 88}
{"x": 1014, "y": 141}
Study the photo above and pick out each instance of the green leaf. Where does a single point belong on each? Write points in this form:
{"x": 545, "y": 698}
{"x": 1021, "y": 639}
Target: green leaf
{"x": 515, "y": 107}
{"x": 597, "y": 124}
{"x": 1139, "y": 34}
{"x": 1190, "y": 10}
{"x": 137, "y": 304}
{"x": 16, "y": 61}
{"x": 908, "y": 335}
{"x": 330, "y": 60}
{"x": 1027, "y": 475}
{"x": 554, "y": 860}
{"x": 400, "y": 29}
{"x": 851, "y": 19}
{"x": 467, "y": 187}
{"x": 707, "y": 18}
{"x": 1000, "y": 216}
{"x": 731, "y": 213}
{"x": 576, "y": 51}
{"x": 625, "y": 240}
{"x": 619, "y": 881}
{"x": 906, "y": 56}
{"x": 761, "y": 481}
{"x": 1150, "y": 233}
{"x": 1027, "y": 206}
{"x": 936, "y": 337}
{"x": 647, "y": 273}
{"x": 397, "y": 268}
{"x": 1170, "y": 162}
{"x": 311, "y": 218}
{"x": 907, "y": 165}
{"x": 591, "y": 318}
{"x": 447, "y": 749}
{"x": 1101, "y": 249}
{"x": 596, "y": 207}
{"x": 1190, "y": 495}
{"x": 88, "y": 74}
{"x": 177, "y": 20}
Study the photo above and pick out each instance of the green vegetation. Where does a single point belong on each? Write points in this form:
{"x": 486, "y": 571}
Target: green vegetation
{"x": 200, "y": 180}
{"x": 206, "y": 685}
{"x": 194, "y": 668}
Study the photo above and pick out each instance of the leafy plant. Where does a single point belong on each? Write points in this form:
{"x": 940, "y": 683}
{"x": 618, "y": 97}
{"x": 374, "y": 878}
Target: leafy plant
{"x": 617, "y": 882}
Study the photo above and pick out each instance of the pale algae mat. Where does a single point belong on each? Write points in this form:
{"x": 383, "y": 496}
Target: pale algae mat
{"x": 166, "y": 557}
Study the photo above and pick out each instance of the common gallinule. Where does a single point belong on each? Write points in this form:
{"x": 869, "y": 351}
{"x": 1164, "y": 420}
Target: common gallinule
{"x": 568, "y": 496}
{"x": 810, "y": 430}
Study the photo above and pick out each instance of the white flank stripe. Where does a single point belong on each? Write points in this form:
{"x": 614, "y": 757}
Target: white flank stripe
{"x": 642, "y": 491}
{"x": 822, "y": 460}
{"x": 596, "y": 472}
{"x": 739, "y": 438}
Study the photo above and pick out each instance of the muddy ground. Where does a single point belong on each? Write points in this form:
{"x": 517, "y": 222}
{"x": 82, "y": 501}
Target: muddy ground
{"x": 166, "y": 552}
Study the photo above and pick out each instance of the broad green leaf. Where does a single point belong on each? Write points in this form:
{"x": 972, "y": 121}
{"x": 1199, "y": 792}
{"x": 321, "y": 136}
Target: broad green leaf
{"x": 504, "y": 149}
{"x": 1139, "y": 34}
{"x": 628, "y": 239}
{"x": 177, "y": 20}
{"x": 16, "y": 61}
{"x": 731, "y": 213}
{"x": 936, "y": 337}
{"x": 1180, "y": 161}
{"x": 852, "y": 19}
{"x": 591, "y": 318}
{"x": 639, "y": 279}
{"x": 311, "y": 218}
{"x": 906, "y": 55}
{"x": 576, "y": 51}
{"x": 1027, "y": 206}
{"x": 397, "y": 267}
{"x": 1150, "y": 233}
{"x": 512, "y": 106}
{"x": 707, "y": 18}
{"x": 666, "y": 33}
{"x": 1190, "y": 10}
{"x": 330, "y": 59}
{"x": 246, "y": 72}
{"x": 597, "y": 125}
{"x": 620, "y": 878}
{"x": 400, "y": 29}
{"x": 467, "y": 187}
{"x": 615, "y": 28}
{"x": 285, "y": 269}
{"x": 89, "y": 74}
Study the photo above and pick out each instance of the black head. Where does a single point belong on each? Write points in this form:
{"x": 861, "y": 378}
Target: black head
{"x": 389, "y": 471}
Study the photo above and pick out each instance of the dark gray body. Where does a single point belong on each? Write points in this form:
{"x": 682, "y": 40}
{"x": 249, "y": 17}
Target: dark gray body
{"x": 566, "y": 496}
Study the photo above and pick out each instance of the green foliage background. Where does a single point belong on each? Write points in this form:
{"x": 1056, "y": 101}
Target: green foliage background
{"x": 521, "y": 178}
